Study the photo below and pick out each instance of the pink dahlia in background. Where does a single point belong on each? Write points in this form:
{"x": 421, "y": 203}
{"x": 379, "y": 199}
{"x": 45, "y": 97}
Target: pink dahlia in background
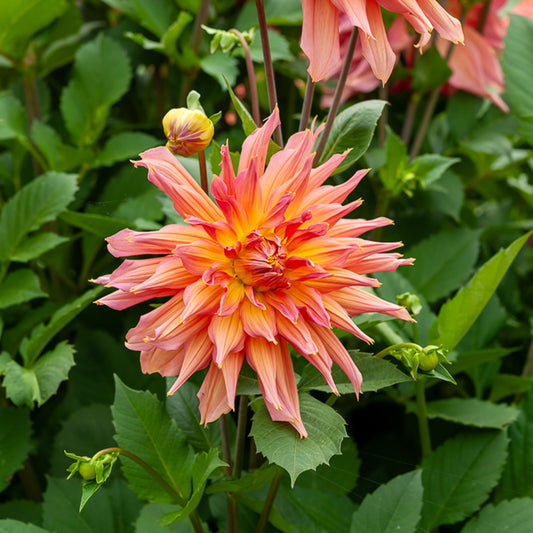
{"x": 320, "y": 31}
{"x": 271, "y": 262}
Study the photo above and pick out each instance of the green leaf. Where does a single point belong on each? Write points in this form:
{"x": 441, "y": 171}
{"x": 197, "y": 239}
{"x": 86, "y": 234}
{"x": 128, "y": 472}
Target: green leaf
{"x": 144, "y": 429}
{"x": 431, "y": 71}
{"x": 279, "y": 48}
{"x": 514, "y": 516}
{"x": 123, "y": 146}
{"x": 444, "y": 196}
{"x": 204, "y": 465}
{"x": 458, "y": 315}
{"x": 99, "y": 225}
{"x": 430, "y": 168}
{"x": 154, "y": 15}
{"x": 443, "y": 262}
{"x": 505, "y": 385}
{"x": 110, "y": 509}
{"x": 459, "y": 475}
{"x": 377, "y": 374}
{"x": 467, "y": 360}
{"x": 280, "y": 443}
{"x": 248, "y": 124}
{"x": 36, "y": 245}
{"x": 12, "y": 116}
{"x": 148, "y": 520}
{"x": 353, "y": 130}
{"x": 42, "y": 335}
{"x": 14, "y": 526}
{"x": 36, "y": 203}
{"x": 101, "y": 77}
{"x": 15, "y": 444}
{"x": 18, "y": 287}
{"x": 518, "y": 75}
{"x": 221, "y": 67}
{"x": 248, "y": 482}
{"x": 392, "y": 507}
{"x": 473, "y": 412}
{"x": 22, "y": 19}
{"x": 183, "y": 407}
{"x": 39, "y": 382}
{"x": 517, "y": 479}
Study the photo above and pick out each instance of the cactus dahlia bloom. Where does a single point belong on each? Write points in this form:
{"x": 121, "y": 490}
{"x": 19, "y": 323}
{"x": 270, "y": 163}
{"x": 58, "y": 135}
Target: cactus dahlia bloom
{"x": 320, "y": 31}
{"x": 270, "y": 263}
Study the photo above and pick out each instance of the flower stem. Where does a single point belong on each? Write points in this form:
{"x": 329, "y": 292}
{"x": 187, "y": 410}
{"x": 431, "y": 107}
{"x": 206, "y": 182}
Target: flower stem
{"x": 201, "y": 18}
{"x": 269, "y": 68}
{"x": 338, "y": 94}
{"x": 383, "y": 120}
{"x": 423, "y": 426}
{"x": 226, "y": 449}
{"x": 203, "y": 172}
{"x": 308, "y": 101}
{"x": 410, "y": 113}
{"x": 400, "y": 345}
{"x": 251, "y": 77}
{"x": 241, "y": 436}
{"x": 269, "y": 501}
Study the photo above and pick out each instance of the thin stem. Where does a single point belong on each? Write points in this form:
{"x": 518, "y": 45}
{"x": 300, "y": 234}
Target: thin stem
{"x": 400, "y": 345}
{"x": 269, "y": 67}
{"x": 201, "y": 18}
{"x": 410, "y": 114}
{"x": 226, "y": 448}
{"x": 483, "y": 17}
{"x": 384, "y": 119}
{"x": 241, "y": 436}
{"x": 269, "y": 501}
{"x": 251, "y": 77}
{"x": 338, "y": 94}
{"x": 203, "y": 172}
{"x": 423, "y": 426}
{"x": 308, "y": 102}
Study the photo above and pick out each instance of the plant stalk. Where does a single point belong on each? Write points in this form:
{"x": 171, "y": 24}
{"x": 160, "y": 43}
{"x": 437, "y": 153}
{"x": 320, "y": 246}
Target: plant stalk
{"x": 203, "y": 172}
{"x": 269, "y": 68}
{"x": 308, "y": 102}
{"x": 338, "y": 94}
{"x": 423, "y": 426}
{"x": 269, "y": 501}
{"x": 251, "y": 77}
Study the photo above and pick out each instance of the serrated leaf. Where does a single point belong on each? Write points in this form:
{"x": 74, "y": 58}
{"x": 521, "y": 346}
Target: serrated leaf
{"x": 443, "y": 262}
{"x": 12, "y": 117}
{"x": 514, "y": 516}
{"x": 505, "y": 385}
{"x": 15, "y": 444}
{"x": 248, "y": 124}
{"x": 458, "y": 315}
{"x": 183, "y": 407}
{"x": 42, "y": 334}
{"x": 101, "y": 77}
{"x": 144, "y": 429}
{"x": 377, "y": 374}
{"x": 99, "y": 225}
{"x": 36, "y": 245}
{"x": 23, "y": 19}
{"x": 15, "y": 526}
{"x": 281, "y": 444}
{"x": 248, "y": 482}
{"x": 430, "y": 168}
{"x": 473, "y": 412}
{"x": 394, "y": 506}
{"x": 353, "y": 130}
{"x": 18, "y": 287}
{"x": 517, "y": 478}
{"x": 36, "y": 203}
{"x": 123, "y": 146}
{"x": 459, "y": 475}
{"x": 40, "y": 381}
{"x": 221, "y": 67}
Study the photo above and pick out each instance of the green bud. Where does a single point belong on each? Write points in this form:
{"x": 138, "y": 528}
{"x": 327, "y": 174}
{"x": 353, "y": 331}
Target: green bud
{"x": 410, "y": 301}
{"x": 87, "y": 471}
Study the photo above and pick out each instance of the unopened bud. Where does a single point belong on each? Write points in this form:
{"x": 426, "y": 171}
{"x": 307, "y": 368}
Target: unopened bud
{"x": 410, "y": 301}
{"x": 188, "y": 131}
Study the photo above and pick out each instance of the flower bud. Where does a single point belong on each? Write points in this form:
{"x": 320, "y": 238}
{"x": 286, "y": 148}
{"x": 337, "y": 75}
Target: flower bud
{"x": 410, "y": 301}
{"x": 188, "y": 131}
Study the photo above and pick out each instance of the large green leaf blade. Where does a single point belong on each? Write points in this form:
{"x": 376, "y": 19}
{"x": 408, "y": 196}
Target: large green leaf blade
{"x": 15, "y": 444}
{"x": 15, "y": 526}
{"x": 473, "y": 412}
{"x": 514, "y": 516}
{"x": 36, "y": 203}
{"x": 352, "y": 130}
{"x": 394, "y": 506}
{"x": 459, "y": 475}
{"x": 458, "y": 315}
{"x": 443, "y": 262}
{"x": 144, "y": 429}
{"x": 18, "y": 287}
{"x": 280, "y": 443}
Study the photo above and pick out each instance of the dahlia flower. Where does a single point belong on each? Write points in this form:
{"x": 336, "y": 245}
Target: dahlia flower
{"x": 320, "y": 31}
{"x": 270, "y": 262}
